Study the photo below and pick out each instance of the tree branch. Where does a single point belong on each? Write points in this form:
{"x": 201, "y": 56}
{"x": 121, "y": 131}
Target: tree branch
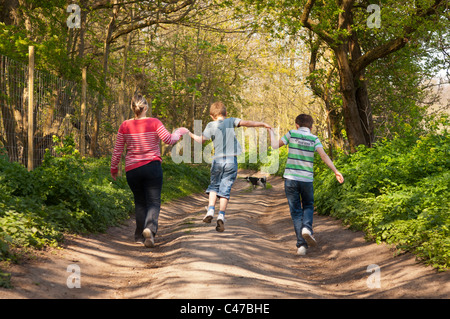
{"x": 148, "y": 21}
{"x": 103, "y": 4}
{"x": 394, "y": 44}
{"x": 313, "y": 26}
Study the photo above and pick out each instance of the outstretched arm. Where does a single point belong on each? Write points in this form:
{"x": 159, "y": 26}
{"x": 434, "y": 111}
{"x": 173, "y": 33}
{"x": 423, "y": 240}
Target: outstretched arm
{"x": 253, "y": 124}
{"x": 198, "y": 139}
{"x": 330, "y": 164}
{"x": 168, "y": 138}
{"x": 273, "y": 140}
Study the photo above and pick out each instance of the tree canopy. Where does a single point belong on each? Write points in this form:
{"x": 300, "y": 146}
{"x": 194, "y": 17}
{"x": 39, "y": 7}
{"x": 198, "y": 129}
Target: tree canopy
{"x": 363, "y": 69}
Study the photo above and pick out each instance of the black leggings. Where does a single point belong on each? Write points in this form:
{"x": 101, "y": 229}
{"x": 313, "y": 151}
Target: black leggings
{"x": 146, "y": 184}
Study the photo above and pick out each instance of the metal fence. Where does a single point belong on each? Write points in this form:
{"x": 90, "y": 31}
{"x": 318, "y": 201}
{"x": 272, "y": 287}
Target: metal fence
{"x": 55, "y": 108}
{"x": 13, "y": 97}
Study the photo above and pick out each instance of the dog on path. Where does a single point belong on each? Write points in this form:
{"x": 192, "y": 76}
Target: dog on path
{"x": 256, "y": 181}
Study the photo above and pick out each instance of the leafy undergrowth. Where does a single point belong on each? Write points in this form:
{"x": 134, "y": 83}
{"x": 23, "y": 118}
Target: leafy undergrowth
{"x": 397, "y": 192}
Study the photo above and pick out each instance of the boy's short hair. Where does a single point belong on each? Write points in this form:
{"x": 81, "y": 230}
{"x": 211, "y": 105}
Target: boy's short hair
{"x": 304, "y": 120}
{"x": 217, "y": 109}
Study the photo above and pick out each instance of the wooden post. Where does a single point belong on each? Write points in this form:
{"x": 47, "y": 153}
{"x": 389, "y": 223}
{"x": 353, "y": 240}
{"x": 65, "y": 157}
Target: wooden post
{"x": 83, "y": 113}
{"x": 30, "y": 108}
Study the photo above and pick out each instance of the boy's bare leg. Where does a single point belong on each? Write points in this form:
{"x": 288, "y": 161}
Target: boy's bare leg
{"x": 212, "y": 199}
{"x": 223, "y": 203}
{"x": 212, "y": 203}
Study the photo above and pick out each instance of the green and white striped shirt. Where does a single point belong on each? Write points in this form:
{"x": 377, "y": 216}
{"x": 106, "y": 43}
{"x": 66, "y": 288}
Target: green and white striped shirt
{"x": 302, "y": 145}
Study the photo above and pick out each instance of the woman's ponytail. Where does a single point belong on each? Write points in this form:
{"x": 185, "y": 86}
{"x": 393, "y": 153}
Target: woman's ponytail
{"x": 138, "y": 104}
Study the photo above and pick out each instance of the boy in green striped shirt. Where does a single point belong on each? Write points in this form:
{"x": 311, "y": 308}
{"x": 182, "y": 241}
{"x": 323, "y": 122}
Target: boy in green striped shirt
{"x": 298, "y": 174}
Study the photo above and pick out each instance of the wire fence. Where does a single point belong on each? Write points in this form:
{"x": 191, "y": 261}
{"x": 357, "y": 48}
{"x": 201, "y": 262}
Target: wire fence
{"x": 12, "y": 133}
{"x": 56, "y": 112}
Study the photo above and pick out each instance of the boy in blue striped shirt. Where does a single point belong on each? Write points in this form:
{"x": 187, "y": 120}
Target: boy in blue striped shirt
{"x": 298, "y": 176}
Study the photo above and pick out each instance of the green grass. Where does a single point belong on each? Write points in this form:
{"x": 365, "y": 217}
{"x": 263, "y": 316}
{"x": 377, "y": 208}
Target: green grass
{"x": 181, "y": 180}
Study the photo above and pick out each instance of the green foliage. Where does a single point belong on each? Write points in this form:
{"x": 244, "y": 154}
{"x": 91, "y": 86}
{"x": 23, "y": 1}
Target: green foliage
{"x": 181, "y": 180}
{"x": 399, "y": 75}
{"x": 273, "y": 162}
{"x": 190, "y": 68}
{"x": 70, "y": 194}
{"x": 395, "y": 192}
{"x": 5, "y": 280}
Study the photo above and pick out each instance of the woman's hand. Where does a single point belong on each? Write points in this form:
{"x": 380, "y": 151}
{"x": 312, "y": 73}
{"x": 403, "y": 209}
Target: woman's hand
{"x": 182, "y": 130}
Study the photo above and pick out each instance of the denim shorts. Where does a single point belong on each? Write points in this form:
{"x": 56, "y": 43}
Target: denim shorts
{"x": 223, "y": 175}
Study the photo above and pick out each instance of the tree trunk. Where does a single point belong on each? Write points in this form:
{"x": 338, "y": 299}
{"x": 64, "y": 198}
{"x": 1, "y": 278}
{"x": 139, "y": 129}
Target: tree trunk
{"x": 123, "y": 109}
{"x": 8, "y": 12}
{"x": 364, "y": 109}
{"x": 81, "y": 44}
{"x": 323, "y": 92}
{"x": 94, "y": 151}
{"x": 6, "y": 108}
{"x": 350, "y": 108}
{"x": 361, "y": 93}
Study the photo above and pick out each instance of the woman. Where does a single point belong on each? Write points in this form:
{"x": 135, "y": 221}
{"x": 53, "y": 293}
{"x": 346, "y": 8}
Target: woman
{"x": 143, "y": 165}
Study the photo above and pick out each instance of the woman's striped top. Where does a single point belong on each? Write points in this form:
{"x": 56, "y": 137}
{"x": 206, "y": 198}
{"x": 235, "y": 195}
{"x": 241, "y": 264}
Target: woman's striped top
{"x": 141, "y": 137}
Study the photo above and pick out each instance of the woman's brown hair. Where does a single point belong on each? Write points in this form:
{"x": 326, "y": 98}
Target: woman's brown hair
{"x": 138, "y": 104}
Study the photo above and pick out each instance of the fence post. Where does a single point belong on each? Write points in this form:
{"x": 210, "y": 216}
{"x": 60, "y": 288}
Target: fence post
{"x": 30, "y": 108}
{"x": 83, "y": 113}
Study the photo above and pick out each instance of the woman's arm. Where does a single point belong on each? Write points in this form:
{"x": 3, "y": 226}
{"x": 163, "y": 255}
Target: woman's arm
{"x": 168, "y": 138}
{"x": 117, "y": 154}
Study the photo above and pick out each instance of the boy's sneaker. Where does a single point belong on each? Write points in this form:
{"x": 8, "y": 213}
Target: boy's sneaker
{"x": 306, "y": 234}
{"x": 139, "y": 239}
{"x": 301, "y": 251}
{"x": 149, "y": 238}
{"x": 220, "y": 223}
{"x": 209, "y": 216}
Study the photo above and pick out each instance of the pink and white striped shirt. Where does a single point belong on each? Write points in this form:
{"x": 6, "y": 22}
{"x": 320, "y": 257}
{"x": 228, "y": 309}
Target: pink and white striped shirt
{"x": 142, "y": 138}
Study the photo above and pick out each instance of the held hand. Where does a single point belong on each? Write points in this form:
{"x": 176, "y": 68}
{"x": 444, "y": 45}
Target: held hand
{"x": 182, "y": 131}
{"x": 339, "y": 177}
{"x": 114, "y": 175}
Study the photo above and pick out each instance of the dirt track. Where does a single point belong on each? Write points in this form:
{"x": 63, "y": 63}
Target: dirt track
{"x": 253, "y": 258}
